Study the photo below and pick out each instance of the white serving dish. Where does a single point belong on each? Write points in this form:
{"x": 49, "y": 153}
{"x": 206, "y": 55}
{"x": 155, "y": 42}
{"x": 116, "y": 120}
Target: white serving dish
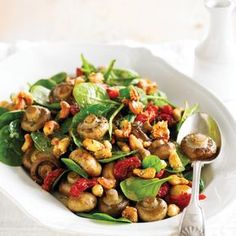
{"x": 45, "y": 60}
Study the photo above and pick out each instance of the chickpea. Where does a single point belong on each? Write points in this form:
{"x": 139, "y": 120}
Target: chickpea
{"x": 173, "y": 210}
{"x": 97, "y": 190}
{"x": 180, "y": 189}
{"x": 84, "y": 203}
{"x": 177, "y": 113}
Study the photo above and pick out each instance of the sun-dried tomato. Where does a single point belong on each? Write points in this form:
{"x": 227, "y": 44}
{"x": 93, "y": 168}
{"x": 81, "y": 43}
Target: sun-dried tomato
{"x": 113, "y": 93}
{"x": 149, "y": 114}
{"x": 167, "y": 109}
{"x": 81, "y": 185}
{"x": 123, "y": 167}
{"x": 166, "y": 114}
{"x": 79, "y": 72}
{"x": 164, "y": 190}
{"x": 74, "y": 109}
{"x": 183, "y": 200}
{"x": 160, "y": 173}
{"x": 51, "y": 178}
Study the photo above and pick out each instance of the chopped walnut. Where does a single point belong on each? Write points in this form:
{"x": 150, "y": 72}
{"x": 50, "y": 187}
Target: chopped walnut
{"x": 136, "y": 107}
{"x": 130, "y": 213}
{"x": 22, "y": 100}
{"x": 160, "y": 131}
{"x": 148, "y": 173}
{"x": 60, "y": 146}
{"x": 125, "y": 130}
{"x": 107, "y": 183}
{"x": 148, "y": 86}
{"x": 96, "y": 77}
{"x": 65, "y": 110}
{"x": 50, "y": 126}
{"x": 27, "y": 144}
{"x": 175, "y": 161}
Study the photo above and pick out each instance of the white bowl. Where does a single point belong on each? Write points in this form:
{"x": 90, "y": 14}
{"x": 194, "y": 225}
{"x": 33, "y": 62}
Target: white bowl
{"x": 43, "y": 61}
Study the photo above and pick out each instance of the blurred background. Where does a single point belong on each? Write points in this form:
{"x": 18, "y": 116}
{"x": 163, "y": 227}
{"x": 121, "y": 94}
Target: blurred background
{"x": 146, "y": 21}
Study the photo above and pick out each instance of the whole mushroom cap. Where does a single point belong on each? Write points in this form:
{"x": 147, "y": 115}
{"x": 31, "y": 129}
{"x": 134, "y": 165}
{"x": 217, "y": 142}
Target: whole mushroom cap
{"x": 198, "y": 146}
{"x": 62, "y": 92}
{"x": 152, "y": 209}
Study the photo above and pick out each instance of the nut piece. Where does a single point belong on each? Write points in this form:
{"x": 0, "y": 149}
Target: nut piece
{"x": 160, "y": 131}
{"x": 22, "y": 100}
{"x": 134, "y": 95}
{"x": 148, "y": 86}
{"x": 175, "y": 180}
{"x": 97, "y": 190}
{"x": 96, "y": 77}
{"x": 65, "y": 110}
{"x": 125, "y": 130}
{"x": 130, "y": 213}
{"x": 101, "y": 151}
{"x": 173, "y": 210}
{"x": 28, "y": 143}
{"x": 108, "y": 171}
{"x": 123, "y": 146}
{"x": 135, "y": 143}
{"x": 61, "y": 146}
{"x": 50, "y": 126}
{"x": 148, "y": 173}
{"x": 175, "y": 161}
{"x": 136, "y": 107}
{"x": 107, "y": 183}
{"x": 177, "y": 113}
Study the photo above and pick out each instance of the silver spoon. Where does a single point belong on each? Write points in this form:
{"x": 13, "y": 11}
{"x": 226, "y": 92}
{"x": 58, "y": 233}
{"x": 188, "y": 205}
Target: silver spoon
{"x": 193, "y": 220}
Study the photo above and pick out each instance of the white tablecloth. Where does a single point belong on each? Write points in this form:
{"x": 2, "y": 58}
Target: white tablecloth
{"x": 181, "y": 56}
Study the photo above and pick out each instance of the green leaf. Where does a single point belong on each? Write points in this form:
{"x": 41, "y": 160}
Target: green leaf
{"x": 9, "y": 116}
{"x": 188, "y": 111}
{"x": 41, "y": 142}
{"x": 52, "y": 81}
{"x": 103, "y": 217}
{"x": 113, "y": 116}
{"x": 3, "y": 110}
{"x": 130, "y": 117}
{"x": 136, "y": 189}
{"x": 122, "y": 77}
{"x": 74, "y": 167}
{"x": 184, "y": 159}
{"x": 65, "y": 126}
{"x": 152, "y": 161}
{"x": 12, "y": 140}
{"x": 108, "y": 70}
{"x": 96, "y": 109}
{"x": 90, "y": 93}
{"x": 87, "y": 67}
{"x": 41, "y": 97}
{"x": 116, "y": 156}
{"x": 59, "y": 78}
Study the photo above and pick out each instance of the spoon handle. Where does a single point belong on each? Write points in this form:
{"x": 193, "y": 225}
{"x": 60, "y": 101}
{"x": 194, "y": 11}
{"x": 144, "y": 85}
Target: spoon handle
{"x": 193, "y": 222}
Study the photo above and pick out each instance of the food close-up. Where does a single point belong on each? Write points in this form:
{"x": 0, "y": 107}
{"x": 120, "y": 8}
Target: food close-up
{"x": 102, "y": 140}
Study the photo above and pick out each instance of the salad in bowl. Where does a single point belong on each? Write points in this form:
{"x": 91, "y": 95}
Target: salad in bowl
{"x": 102, "y": 141}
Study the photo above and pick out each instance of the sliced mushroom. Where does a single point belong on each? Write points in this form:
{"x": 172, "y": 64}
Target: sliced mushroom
{"x": 42, "y": 166}
{"x": 112, "y": 203}
{"x": 64, "y": 188}
{"x": 87, "y": 162}
{"x": 161, "y": 148}
{"x": 34, "y": 118}
{"x": 138, "y": 131}
{"x": 152, "y": 209}
{"x": 62, "y": 92}
{"x": 84, "y": 203}
{"x": 26, "y": 161}
{"x": 93, "y": 127}
{"x": 198, "y": 146}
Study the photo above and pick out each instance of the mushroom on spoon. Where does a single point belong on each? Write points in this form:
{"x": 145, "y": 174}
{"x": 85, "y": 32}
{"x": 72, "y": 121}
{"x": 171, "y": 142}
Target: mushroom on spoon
{"x": 200, "y": 140}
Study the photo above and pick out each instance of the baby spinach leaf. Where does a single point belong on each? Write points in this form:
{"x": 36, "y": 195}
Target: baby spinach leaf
{"x": 113, "y": 116}
{"x": 74, "y": 167}
{"x": 90, "y": 93}
{"x": 59, "y": 78}
{"x": 3, "y": 110}
{"x": 188, "y": 111}
{"x": 108, "y": 70}
{"x": 41, "y": 96}
{"x": 9, "y": 116}
{"x": 87, "y": 67}
{"x": 103, "y": 217}
{"x": 41, "y": 142}
{"x": 52, "y": 81}
{"x": 65, "y": 126}
{"x": 130, "y": 117}
{"x": 117, "y": 155}
{"x": 121, "y": 77}
{"x": 152, "y": 161}
{"x": 96, "y": 109}
{"x": 12, "y": 140}
{"x": 136, "y": 189}
{"x": 184, "y": 159}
